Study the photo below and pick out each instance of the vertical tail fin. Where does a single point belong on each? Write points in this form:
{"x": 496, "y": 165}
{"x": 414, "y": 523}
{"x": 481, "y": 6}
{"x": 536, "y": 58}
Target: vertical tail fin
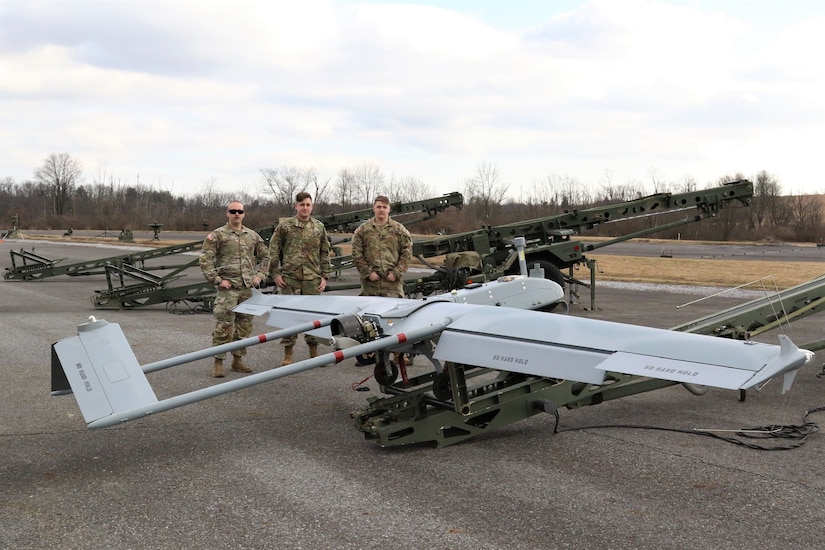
{"x": 102, "y": 371}
{"x": 790, "y": 360}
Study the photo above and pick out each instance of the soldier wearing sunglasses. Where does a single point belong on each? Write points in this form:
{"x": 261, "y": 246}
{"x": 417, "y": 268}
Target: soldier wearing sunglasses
{"x": 235, "y": 259}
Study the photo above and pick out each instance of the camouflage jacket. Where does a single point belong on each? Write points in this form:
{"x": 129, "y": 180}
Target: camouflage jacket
{"x": 300, "y": 250}
{"x": 381, "y": 248}
{"x": 237, "y": 256}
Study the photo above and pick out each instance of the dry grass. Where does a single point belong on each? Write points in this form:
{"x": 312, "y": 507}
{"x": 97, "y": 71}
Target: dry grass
{"x": 700, "y": 272}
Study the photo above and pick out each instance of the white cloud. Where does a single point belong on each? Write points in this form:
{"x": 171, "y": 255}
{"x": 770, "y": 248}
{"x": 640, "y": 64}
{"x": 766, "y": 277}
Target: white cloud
{"x": 186, "y": 91}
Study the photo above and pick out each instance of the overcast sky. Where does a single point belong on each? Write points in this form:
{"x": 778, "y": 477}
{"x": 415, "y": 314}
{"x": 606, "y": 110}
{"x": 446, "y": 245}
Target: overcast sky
{"x": 177, "y": 93}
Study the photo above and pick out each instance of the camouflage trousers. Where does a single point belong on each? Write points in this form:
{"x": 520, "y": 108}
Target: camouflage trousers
{"x": 231, "y": 326}
{"x": 382, "y": 287}
{"x": 307, "y": 288}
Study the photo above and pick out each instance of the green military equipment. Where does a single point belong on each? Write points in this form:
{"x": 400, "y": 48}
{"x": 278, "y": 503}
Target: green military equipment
{"x": 495, "y": 362}
{"x": 132, "y": 285}
{"x": 550, "y": 240}
{"x": 465, "y": 401}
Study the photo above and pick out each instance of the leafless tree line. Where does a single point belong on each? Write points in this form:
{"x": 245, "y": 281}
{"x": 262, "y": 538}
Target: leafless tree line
{"x": 57, "y": 198}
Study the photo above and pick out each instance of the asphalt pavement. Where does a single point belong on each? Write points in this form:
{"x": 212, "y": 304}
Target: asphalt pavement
{"x": 774, "y": 252}
{"x": 280, "y": 465}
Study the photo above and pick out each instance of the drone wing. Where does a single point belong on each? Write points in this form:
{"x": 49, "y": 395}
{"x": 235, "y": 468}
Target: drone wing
{"x": 575, "y": 348}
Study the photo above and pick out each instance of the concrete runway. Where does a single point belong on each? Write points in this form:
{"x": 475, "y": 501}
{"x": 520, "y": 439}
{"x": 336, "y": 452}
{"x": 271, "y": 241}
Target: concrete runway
{"x": 280, "y": 465}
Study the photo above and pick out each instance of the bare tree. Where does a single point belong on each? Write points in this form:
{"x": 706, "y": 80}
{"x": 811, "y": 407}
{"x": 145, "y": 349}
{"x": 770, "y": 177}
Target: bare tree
{"x": 485, "y": 192}
{"x": 537, "y": 201}
{"x": 7, "y": 188}
{"x": 6, "y": 185}
{"x": 658, "y": 183}
{"x": 724, "y": 224}
{"x": 407, "y": 189}
{"x": 345, "y": 188}
{"x": 609, "y": 192}
{"x": 317, "y": 189}
{"x": 369, "y": 181}
{"x": 543, "y": 193}
{"x": 59, "y": 175}
{"x": 283, "y": 184}
{"x": 210, "y": 196}
{"x": 806, "y": 217}
{"x": 687, "y": 185}
{"x": 558, "y": 193}
{"x": 766, "y": 193}
{"x": 619, "y": 193}
{"x": 570, "y": 193}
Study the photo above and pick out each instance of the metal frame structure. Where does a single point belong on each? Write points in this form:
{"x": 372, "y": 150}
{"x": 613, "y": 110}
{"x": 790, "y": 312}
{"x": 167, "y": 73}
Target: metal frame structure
{"x": 467, "y": 401}
{"x": 550, "y": 242}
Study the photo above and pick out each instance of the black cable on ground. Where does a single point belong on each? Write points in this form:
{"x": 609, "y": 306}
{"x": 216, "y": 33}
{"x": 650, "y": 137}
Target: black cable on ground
{"x": 796, "y": 434}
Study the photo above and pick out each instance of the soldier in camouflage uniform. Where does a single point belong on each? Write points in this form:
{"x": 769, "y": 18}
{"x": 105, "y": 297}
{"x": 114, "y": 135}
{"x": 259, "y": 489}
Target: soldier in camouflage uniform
{"x": 299, "y": 261}
{"x": 381, "y": 250}
{"x": 234, "y": 259}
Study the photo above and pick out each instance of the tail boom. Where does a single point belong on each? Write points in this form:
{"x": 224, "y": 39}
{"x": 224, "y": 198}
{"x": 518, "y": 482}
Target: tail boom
{"x": 111, "y": 387}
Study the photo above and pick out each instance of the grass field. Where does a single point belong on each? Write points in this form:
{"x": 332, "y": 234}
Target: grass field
{"x": 721, "y": 273}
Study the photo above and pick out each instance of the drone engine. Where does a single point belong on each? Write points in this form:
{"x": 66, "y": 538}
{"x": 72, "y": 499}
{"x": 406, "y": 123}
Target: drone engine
{"x": 355, "y": 327}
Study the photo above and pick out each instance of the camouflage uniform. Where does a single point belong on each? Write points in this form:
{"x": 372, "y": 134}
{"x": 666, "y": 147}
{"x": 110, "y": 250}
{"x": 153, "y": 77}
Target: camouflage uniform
{"x": 237, "y": 256}
{"x": 382, "y": 248}
{"x": 299, "y": 252}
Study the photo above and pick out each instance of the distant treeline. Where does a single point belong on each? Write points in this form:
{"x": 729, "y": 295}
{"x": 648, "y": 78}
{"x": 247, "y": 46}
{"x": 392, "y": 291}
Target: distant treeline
{"x": 56, "y": 201}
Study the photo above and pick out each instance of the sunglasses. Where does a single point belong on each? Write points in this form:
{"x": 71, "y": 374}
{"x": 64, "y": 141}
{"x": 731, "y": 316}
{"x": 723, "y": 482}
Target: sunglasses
{"x": 233, "y": 211}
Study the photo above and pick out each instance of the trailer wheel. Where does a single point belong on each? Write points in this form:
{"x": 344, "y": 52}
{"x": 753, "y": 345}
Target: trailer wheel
{"x": 386, "y": 373}
{"x": 442, "y": 388}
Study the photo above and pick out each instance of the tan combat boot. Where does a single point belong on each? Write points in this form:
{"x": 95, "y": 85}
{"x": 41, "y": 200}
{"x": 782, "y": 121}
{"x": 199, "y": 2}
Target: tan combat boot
{"x": 238, "y": 365}
{"x": 217, "y": 369}
{"x": 313, "y": 350}
{"x": 287, "y": 356}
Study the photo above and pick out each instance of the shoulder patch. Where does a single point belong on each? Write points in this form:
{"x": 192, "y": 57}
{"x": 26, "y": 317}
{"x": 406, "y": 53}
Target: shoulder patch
{"x": 211, "y": 236}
